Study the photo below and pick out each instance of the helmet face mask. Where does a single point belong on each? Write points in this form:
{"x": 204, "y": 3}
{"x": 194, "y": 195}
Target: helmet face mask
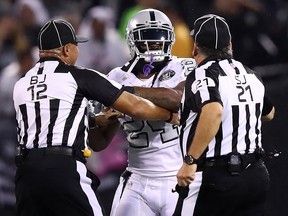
{"x": 147, "y": 28}
{"x": 156, "y": 49}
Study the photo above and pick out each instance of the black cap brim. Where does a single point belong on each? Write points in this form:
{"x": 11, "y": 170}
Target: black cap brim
{"x": 192, "y": 32}
{"x": 80, "y": 39}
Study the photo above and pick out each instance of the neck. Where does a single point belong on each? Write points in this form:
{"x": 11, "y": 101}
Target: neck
{"x": 50, "y": 53}
{"x": 140, "y": 75}
{"x": 199, "y": 58}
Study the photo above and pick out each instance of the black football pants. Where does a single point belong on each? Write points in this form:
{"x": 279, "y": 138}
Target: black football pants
{"x": 57, "y": 185}
{"x": 224, "y": 195}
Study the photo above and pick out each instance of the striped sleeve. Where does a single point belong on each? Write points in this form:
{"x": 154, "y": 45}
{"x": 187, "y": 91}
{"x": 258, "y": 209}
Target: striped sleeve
{"x": 95, "y": 86}
{"x": 205, "y": 87}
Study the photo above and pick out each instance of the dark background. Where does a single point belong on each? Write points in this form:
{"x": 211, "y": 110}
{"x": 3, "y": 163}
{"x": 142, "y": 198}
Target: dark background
{"x": 275, "y": 136}
{"x": 260, "y": 41}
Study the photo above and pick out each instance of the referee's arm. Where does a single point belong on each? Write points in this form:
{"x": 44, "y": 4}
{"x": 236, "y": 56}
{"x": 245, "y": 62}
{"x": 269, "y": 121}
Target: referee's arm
{"x": 207, "y": 127}
{"x": 268, "y": 110}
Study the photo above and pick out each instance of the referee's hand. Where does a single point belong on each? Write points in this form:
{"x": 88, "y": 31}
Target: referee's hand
{"x": 186, "y": 174}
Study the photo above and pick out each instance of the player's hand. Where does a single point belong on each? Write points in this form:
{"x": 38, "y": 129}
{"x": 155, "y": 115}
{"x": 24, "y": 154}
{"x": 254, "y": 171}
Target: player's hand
{"x": 175, "y": 119}
{"x": 186, "y": 174}
{"x": 107, "y": 116}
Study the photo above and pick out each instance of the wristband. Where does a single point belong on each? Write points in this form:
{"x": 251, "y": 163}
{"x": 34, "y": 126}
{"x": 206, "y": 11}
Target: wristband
{"x": 170, "y": 117}
{"x": 129, "y": 89}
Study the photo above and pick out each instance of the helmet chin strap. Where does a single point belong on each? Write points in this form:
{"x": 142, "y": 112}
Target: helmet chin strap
{"x": 148, "y": 67}
{"x": 126, "y": 75}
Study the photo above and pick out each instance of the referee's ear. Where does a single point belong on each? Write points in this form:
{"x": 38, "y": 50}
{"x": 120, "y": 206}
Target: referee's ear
{"x": 65, "y": 50}
{"x": 195, "y": 51}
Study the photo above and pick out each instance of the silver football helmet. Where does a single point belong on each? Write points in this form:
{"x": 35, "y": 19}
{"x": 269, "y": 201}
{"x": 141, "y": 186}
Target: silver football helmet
{"x": 148, "y": 27}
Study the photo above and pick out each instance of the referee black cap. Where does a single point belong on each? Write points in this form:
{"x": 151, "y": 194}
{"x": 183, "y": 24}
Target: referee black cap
{"x": 57, "y": 33}
{"x": 211, "y": 31}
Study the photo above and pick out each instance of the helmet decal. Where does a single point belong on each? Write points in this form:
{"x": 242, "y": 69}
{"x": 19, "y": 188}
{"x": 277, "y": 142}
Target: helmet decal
{"x": 152, "y": 15}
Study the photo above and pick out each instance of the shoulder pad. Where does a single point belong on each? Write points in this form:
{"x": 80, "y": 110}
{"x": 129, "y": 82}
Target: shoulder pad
{"x": 188, "y": 64}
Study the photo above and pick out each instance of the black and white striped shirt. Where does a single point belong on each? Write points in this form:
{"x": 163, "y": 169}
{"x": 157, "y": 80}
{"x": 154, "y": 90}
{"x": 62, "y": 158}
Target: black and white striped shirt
{"x": 239, "y": 90}
{"x": 51, "y": 99}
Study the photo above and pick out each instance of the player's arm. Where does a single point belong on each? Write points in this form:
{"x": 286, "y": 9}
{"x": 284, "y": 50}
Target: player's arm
{"x": 107, "y": 124}
{"x": 168, "y": 98}
{"x": 103, "y": 127}
{"x": 268, "y": 110}
{"x": 140, "y": 108}
{"x": 101, "y": 136}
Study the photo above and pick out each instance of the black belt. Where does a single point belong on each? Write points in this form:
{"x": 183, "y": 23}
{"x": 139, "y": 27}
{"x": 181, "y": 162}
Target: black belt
{"x": 245, "y": 160}
{"x": 23, "y": 153}
{"x": 55, "y": 150}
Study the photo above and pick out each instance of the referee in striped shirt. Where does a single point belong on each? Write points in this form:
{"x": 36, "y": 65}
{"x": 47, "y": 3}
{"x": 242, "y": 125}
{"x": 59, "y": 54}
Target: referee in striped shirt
{"x": 51, "y": 112}
{"x": 222, "y": 108}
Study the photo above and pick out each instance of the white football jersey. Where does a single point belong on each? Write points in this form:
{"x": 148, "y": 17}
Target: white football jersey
{"x": 154, "y": 148}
